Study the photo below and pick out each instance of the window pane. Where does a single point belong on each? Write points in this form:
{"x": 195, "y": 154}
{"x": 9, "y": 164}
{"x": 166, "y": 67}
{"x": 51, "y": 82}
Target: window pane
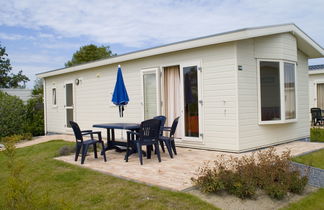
{"x": 54, "y": 96}
{"x": 270, "y": 90}
{"x": 290, "y": 97}
{"x": 190, "y": 78}
{"x": 69, "y": 94}
{"x": 69, "y": 117}
{"x": 150, "y": 105}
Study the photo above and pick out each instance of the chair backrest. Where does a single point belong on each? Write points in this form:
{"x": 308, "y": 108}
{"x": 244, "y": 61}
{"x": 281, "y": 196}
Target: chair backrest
{"x": 316, "y": 113}
{"x": 162, "y": 119}
{"x": 150, "y": 129}
{"x": 77, "y": 131}
{"x": 174, "y": 126}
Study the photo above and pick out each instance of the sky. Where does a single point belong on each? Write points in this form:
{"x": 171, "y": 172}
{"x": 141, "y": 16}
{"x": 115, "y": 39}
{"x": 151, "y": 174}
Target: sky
{"x": 42, "y": 35}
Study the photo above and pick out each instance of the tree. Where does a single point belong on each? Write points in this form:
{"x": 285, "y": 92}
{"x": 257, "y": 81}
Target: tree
{"x": 89, "y": 53}
{"x": 38, "y": 88}
{"x": 8, "y": 79}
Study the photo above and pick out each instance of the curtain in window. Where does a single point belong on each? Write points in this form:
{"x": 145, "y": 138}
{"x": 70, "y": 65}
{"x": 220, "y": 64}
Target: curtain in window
{"x": 320, "y": 96}
{"x": 172, "y": 95}
{"x": 290, "y": 95}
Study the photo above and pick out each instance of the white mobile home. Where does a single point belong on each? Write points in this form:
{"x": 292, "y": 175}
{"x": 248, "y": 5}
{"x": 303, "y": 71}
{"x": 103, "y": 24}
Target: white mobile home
{"x": 316, "y": 86}
{"x": 234, "y": 91}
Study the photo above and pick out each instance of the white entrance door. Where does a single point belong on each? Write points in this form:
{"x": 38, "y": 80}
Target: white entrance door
{"x": 191, "y": 102}
{"x": 69, "y": 104}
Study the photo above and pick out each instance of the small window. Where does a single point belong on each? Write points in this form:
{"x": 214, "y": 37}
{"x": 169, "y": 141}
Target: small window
{"x": 54, "y": 96}
{"x": 277, "y": 85}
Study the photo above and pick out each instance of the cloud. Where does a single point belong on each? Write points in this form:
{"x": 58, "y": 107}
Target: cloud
{"x": 148, "y": 23}
{"x": 8, "y": 36}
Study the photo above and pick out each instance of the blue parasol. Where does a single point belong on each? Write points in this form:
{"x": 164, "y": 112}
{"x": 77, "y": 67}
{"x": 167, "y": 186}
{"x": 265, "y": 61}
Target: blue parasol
{"x": 120, "y": 96}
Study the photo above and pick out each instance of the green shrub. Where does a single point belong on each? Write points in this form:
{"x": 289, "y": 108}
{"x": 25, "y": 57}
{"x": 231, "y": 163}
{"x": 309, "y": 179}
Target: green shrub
{"x": 27, "y": 136}
{"x": 276, "y": 191}
{"x": 12, "y": 115}
{"x": 17, "y": 137}
{"x": 317, "y": 134}
{"x": 297, "y": 183}
{"x": 66, "y": 150}
{"x": 35, "y": 116}
{"x": 243, "y": 176}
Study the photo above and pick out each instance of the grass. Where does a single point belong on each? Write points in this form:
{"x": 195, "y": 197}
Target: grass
{"x": 82, "y": 188}
{"x": 314, "y": 201}
{"x": 315, "y": 159}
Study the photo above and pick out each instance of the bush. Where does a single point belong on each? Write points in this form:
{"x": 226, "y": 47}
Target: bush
{"x": 243, "y": 176}
{"x": 317, "y": 134}
{"x": 16, "y": 138}
{"x": 276, "y": 191}
{"x": 12, "y": 115}
{"x": 35, "y": 116}
{"x": 17, "y": 118}
{"x": 297, "y": 183}
{"x": 66, "y": 150}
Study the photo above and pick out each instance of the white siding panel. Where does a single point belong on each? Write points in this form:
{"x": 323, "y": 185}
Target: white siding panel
{"x": 251, "y": 134}
{"x": 93, "y": 94}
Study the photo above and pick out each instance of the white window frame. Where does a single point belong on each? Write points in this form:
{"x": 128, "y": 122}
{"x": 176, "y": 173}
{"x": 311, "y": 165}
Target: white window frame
{"x": 282, "y": 93}
{"x": 54, "y": 105}
{"x": 200, "y": 100}
{"x": 69, "y": 107}
{"x": 316, "y": 82}
{"x": 155, "y": 71}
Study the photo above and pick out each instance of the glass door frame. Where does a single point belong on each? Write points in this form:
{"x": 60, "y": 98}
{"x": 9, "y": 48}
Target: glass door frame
{"x": 200, "y": 101}
{"x": 155, "y": 71}
{"x": 69, "y": 107}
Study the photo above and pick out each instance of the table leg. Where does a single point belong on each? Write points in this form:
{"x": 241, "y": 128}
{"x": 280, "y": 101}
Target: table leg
{"x": 113, "y": 134}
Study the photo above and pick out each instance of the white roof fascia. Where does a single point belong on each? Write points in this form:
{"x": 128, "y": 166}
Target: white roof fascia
{"x": 311, "y": 72}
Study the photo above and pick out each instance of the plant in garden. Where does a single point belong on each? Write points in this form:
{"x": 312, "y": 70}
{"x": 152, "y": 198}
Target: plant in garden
{"x": 12, "y": 115}
{"x": 317, "y": 134}
{"x": 35, "y": 116}
{"x": 18, "y": 194}
{"x": 66, "y": 150}
{"x": 243, "y": 176}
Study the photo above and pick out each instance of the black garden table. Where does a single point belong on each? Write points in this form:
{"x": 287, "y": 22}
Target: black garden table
{"x": 111, "y": 142}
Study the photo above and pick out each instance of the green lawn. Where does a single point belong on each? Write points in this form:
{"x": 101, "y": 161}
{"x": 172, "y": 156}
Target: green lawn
{"x": 315, "y": 159}
{"x": 315, "y": 201}
{"x": 82, "y": 188}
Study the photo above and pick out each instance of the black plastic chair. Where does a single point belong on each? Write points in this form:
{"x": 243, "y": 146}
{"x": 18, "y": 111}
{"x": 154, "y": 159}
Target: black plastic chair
{"x": 162, "y": 119}
{"x": 84, "y": 145}
{"x": 148, "y": 136}
{"x": 169, "y": 141}
{"x": 317, "y": 117}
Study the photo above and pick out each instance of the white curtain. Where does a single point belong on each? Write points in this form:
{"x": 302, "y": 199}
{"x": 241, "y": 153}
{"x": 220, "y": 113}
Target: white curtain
{"x": 290, "y": 97}
{"x": 320, "y": 96}
{"x": 172, "y": 101}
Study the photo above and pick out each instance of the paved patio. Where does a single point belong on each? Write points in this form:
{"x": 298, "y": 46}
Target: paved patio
{"x": 174, "y": 174}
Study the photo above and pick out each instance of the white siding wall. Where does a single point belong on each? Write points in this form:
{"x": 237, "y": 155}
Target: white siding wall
{"x": 251, "y": 134}
{"x": 93, "y": 95}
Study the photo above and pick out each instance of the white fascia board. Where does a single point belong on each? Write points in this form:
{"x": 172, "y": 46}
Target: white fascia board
{"x": 312, "y": 72}
{"x": 200, "y": 42}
